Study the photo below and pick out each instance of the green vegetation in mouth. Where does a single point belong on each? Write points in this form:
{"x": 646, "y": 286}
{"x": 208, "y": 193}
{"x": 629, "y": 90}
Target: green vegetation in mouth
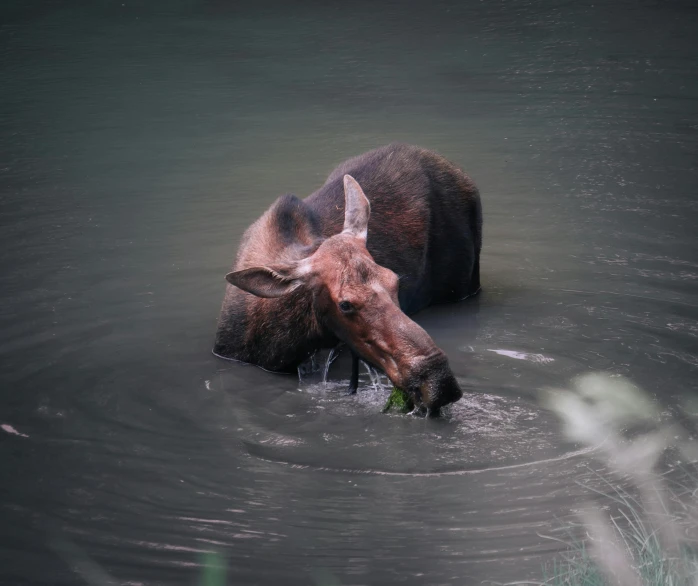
{"x": 399, "y": 401}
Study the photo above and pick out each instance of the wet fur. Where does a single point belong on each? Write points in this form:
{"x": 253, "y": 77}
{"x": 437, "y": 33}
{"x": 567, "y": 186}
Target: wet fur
{"x": 425, "y": 225}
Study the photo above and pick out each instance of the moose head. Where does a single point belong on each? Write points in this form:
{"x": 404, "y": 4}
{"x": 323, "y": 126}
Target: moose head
{"x": 356, "y": 300}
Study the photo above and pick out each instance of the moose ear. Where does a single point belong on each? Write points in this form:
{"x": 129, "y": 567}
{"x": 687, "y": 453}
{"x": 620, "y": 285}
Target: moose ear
{"x": 356, "y": 209}
{"x": 264, "y": 281}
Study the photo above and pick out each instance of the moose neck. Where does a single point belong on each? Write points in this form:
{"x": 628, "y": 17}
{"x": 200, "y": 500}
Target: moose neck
{"x": 274, "y": 333}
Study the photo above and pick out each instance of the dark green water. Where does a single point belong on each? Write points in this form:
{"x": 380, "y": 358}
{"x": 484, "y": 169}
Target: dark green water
{"x": 137, "y": 142}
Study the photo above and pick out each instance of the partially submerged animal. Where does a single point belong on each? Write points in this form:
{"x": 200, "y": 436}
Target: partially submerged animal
{"x": 335, "y": 268}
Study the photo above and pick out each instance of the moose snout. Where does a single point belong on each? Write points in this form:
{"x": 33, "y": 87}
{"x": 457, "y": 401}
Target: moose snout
{"x": 433, "y": 384}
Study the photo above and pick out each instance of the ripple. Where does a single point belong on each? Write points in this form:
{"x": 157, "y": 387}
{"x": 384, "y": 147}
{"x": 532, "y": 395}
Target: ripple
{"x": 461, "y": 472}
{"x": 329, "y": 430}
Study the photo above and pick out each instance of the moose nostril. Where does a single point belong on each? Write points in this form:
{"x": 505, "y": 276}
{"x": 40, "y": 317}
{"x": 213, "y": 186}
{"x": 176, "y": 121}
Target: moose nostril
{"x": 438, "y": 386}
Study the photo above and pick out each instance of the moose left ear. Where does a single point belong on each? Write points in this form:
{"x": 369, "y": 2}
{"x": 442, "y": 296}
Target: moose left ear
{"x": 263, "y": 281}
{"x": 357, "y": 209}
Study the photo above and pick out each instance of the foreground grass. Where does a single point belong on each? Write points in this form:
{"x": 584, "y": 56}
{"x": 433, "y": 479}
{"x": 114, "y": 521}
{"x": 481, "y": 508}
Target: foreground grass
{"x": 634, "y": 555}
{"x": 646, "y": 534}
{"x": 575, "y": 569}
{"x": 583, "y": 571}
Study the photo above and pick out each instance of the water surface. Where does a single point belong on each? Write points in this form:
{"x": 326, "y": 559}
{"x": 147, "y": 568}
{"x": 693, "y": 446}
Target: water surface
{"x": 139, "y": 140}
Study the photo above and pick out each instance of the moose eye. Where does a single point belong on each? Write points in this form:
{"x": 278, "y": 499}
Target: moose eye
{"x": 345, "y": 306}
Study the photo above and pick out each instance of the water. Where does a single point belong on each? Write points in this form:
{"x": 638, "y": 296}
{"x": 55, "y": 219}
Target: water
{"x": 140, "y": 139}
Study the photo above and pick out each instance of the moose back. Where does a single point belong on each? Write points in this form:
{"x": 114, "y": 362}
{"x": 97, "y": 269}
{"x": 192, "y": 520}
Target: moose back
{"x": 389, "y": 233}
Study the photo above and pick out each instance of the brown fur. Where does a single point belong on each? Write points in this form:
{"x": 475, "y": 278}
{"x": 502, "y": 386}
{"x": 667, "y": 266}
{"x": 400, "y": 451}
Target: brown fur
{"x": 424, "y": 227}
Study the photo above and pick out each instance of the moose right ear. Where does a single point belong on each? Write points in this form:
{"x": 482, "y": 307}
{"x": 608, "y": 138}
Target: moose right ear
{"x": 356, "y": 209}
{"x": 263, "y": 281}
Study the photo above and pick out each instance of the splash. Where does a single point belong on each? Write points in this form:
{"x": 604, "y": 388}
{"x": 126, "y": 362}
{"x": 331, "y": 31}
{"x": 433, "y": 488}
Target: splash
{"x": 11, "y": 430}
{"x": 331, "y": 357}
{"x": 375, "y": 377}
{"x": 537, "y": 358}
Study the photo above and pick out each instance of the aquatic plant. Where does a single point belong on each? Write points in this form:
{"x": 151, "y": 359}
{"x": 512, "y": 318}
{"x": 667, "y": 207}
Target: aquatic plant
{"x": 649, "y": 535}
{"x": 399, "y": 401}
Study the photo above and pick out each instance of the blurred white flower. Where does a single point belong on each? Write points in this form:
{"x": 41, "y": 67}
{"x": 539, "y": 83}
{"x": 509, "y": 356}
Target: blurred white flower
{"x": 617, "y": 400}
{"x": 579, "y": 420}
{"x": 599, "y": 405}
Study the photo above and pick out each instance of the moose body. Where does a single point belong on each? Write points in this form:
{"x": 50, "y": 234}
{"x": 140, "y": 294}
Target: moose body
{"x": 315, "y": 272}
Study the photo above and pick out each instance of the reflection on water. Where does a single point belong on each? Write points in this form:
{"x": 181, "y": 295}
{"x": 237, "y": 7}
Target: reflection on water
{"x": 139, "y": 141}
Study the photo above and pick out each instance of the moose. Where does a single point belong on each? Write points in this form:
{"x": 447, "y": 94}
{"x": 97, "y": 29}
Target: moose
{"x": 391, "y": 232}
